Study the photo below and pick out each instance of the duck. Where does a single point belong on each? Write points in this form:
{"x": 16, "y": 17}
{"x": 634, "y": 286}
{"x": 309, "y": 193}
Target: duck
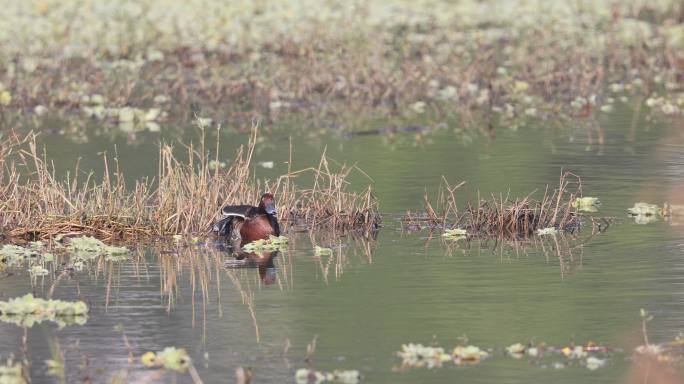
{"x": 242, "y": 224}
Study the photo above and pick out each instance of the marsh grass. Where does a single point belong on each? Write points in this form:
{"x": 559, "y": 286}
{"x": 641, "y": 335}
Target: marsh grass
{"x": 478, "y": 59}
{"x": 503, "y": 216}
{"x": 184, "y": 198}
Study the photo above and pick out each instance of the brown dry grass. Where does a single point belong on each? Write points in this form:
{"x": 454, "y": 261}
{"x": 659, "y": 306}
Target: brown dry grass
{"x": 501, "y": 215}
{"x": 185, "y": 197}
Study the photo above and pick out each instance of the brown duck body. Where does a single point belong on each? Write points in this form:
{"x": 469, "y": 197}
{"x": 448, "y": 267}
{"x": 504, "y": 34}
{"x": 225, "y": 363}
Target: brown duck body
{"x": 245, "y": 223}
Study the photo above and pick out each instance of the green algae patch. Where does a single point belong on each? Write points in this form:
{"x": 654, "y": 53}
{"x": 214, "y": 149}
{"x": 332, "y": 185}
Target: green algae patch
{"x": 420, "y": 356}
{"x": 87, "y": 248}
{"x": 12, "y": 373}
{"x": 592, "y": 356}
{"x": 455, "y": 234}
{"x": 586, "y": 204}
{"x": 469, "y": 354}
{"x": 172, "y": 358}
{"x": 273, "y": 243}
{"x": 15, "y": 254}
{"x": 28, "y": 310}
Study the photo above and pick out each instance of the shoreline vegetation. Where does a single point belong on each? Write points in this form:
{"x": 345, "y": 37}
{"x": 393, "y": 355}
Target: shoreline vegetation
{"x": 504, "y": 216}
{"x": 139, "y": 64}
{"x": 185, "y": 197}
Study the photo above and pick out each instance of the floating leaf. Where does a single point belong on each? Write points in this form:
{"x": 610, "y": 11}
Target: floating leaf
{"x": 644, "y": 213}
{"x": 149, "y": 359}
{"x": 418, "y": 356}
{"x": 455, "y": 233}
{"x": 27, "y": 310}
{"x": 516, "y": 350}
{"x": 576, "y": 352}
{"x": 86, "y": 248}
{"x": 645, "y": 209}
{"x": 469, "y": 354}
{"x": 12, "y": 373}
{"x": 273, "y": 243}
{"x": 586, "y": 204}
{"x": 176, "y": 359}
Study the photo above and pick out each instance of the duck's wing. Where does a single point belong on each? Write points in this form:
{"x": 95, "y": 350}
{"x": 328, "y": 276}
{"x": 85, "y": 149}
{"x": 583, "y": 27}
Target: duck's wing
{"x": 223, "y": 227}
{"x": 242, "y": 211}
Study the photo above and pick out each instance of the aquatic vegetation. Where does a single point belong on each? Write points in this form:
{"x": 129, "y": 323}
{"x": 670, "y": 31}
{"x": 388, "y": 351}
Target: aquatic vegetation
{"x": 454, "y": 234}
{"x": 576, "y": 352}
{"x": 586, "y": 204}
{"x": 27, "y": 311}
{"x": 12, "y": 373}
{"x": 469, "y": 354}
{"x": 86, "y": 248}
{"x": 644, "y": 209}
{"x": 310, "y": 376}
{"x": 419, "y": 356}
{"x": 503, "y": 216}
{"x": 13, "y": 254}
{"x": 303, "y": 56}
{"x": 591, "y": 355}
{"x": 273, "y": 243}
{"x": 644, "y": 213}
{"x": 516, "y": 350}
{"x": 172, "y": 358}
{"x": 33, "y": 256}
{"x": 184, "y": 198}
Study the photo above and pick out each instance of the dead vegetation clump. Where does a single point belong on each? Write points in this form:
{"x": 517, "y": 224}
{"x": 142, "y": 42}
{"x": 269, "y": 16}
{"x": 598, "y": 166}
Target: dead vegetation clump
{"x": 503, "y": 216}
{"x": 184, "y": 198}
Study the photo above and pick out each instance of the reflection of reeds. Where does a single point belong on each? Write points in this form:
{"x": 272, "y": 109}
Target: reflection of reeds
{"x": 566, "y": 248}
{"x": 502, "y": 216}
{"x": 185, "y": 198}
{"x": 341, "y": 252}
{"x": 248, "y": 300}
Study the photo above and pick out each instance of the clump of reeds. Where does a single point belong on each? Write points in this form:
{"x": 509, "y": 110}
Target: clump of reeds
{"x": 502, "y": 216}
{"x": 185, "y": 198}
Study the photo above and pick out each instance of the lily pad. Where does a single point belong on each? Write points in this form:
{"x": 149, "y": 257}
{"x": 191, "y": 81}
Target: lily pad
{"x": 644, "y": 209}
{"x": 273, "y": 243}
{"x": 586, "y": 204}
{"x": 454, "y": 234}
{"x": 12, "y": 373}
{"x": 176, "y": 359}
{"x": 468, "y": 354}
{"x": 27, "y": 311}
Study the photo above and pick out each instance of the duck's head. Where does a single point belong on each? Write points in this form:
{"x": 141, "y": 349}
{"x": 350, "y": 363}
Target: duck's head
{"x": 267, "y": 204}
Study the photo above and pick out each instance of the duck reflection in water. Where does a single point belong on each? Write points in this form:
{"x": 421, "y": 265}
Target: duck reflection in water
{"x": 263, "y": 261}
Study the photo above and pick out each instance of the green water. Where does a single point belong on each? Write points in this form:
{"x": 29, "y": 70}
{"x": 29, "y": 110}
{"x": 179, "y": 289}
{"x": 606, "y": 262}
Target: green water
{"x": 371, "y": 296}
